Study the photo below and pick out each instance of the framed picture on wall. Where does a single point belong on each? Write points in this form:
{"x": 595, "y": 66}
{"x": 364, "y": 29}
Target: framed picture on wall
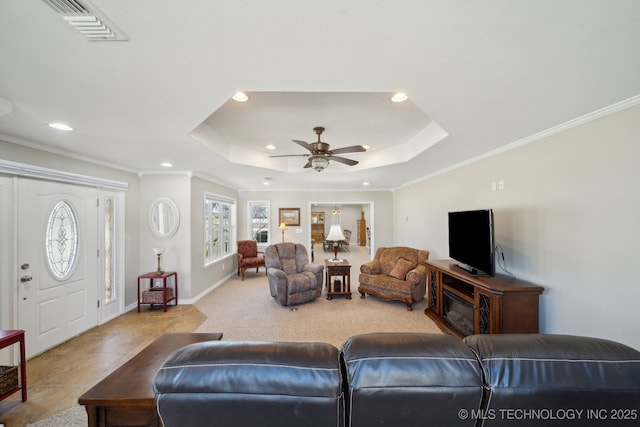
{"x": 290, "y": 216}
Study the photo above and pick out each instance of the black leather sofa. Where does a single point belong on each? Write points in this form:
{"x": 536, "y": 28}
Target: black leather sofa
{"x": 396, "y": 379}
{"x": 248, "y": 384}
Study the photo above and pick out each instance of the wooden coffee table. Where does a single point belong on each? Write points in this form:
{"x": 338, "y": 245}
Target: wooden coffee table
{"x": 126, "y": 397}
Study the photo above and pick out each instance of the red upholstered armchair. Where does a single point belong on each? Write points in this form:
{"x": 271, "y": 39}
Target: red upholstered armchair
{"x": 248, "y": 256}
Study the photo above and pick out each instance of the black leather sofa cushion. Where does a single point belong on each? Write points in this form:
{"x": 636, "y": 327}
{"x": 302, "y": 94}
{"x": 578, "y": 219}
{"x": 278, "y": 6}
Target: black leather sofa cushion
{"x": 251, "y": 383}
{"x": 558, "y": 380}
{"x": 407, "y": 379}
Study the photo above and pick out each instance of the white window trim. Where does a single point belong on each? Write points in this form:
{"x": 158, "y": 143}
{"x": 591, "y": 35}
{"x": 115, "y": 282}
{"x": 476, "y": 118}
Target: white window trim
{"x": 250, "y": 223}
{"x": 208, "y": 262}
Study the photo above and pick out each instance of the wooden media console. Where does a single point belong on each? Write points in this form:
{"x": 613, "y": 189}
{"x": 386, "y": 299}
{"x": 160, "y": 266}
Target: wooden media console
{"x": 463, "y": 304}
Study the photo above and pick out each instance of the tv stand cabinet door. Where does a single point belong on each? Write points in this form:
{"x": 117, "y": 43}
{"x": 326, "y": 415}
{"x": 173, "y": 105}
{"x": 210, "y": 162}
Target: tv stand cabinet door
{"x": 486, "y": 315}
{"x": 434, "y": 291}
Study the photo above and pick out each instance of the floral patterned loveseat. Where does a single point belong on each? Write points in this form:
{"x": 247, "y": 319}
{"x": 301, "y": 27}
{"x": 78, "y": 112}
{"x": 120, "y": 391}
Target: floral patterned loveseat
{"x": 395, "y": 273}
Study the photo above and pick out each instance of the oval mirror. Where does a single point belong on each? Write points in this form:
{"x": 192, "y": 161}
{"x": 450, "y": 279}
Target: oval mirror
{"x": 164, "y": 218}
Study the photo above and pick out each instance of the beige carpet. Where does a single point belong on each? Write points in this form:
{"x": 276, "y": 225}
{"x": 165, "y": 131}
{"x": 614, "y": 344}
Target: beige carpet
{"x": 72, "y": 417}
{"x": 245, "y": 310}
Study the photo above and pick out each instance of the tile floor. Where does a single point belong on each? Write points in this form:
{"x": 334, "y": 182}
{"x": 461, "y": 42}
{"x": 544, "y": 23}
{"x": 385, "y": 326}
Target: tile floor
{"x": 57, "y": 377}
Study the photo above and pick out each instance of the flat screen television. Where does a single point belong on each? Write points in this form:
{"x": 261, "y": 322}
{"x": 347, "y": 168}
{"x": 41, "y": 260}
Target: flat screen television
{"x": 471, "y": 241}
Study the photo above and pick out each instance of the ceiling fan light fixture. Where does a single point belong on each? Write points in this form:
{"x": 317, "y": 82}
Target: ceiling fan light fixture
{"x": 321, "y": 153}
{"x": 319, "y": 163}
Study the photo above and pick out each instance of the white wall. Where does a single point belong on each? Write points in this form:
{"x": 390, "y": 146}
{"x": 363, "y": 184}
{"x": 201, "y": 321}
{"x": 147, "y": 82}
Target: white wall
{"x": 177, "y": 253}
{"x": 568, "y": 219}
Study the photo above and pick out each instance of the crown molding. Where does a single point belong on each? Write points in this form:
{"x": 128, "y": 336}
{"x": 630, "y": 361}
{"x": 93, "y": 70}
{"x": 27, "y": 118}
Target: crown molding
{"x": 586, "y": 118}
{"x": 37, "y": 172}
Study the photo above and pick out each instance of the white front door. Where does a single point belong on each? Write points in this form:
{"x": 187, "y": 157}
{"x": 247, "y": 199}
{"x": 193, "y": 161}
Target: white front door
{"x": 57, "y": 262}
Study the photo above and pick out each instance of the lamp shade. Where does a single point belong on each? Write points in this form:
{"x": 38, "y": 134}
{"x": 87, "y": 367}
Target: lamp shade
{"x": 335, "y": 234}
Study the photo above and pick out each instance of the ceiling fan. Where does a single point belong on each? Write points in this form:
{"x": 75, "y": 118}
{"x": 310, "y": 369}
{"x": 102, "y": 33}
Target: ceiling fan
{"x": 321, "y": 153}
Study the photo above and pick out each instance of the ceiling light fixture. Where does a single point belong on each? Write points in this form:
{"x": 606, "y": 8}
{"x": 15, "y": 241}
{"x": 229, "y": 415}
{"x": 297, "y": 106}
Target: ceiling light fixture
{"x": 399, "y": 97}
{"x": 166, "y": 165}
{"x": 240, "y": 97}
{"x": 319, "y": 163}
{"x": 61, "y": 126}
{"x": 270, "y": 147}
{"x": 366, "y": 183}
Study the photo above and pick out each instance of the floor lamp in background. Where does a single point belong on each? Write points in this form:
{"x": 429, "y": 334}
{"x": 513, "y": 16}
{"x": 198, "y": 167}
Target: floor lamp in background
{"x": 283, "y": 227}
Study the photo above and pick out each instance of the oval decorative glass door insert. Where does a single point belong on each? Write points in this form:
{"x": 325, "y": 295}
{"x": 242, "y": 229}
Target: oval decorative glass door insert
{"x": 61, "y": 240}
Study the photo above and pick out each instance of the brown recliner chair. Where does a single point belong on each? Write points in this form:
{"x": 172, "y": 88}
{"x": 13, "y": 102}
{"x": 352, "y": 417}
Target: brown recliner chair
{"x": 395, "y": 273}
{"x": 292, "y": 280}
{"x": 249, "y": 256}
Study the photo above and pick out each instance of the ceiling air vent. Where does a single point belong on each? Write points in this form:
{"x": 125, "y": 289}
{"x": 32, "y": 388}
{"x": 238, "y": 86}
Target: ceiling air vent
{"x": 87, "y": 20}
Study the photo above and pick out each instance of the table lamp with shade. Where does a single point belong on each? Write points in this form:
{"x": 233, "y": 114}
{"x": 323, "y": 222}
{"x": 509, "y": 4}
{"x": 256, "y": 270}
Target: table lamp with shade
{"x": 335, "y": 236}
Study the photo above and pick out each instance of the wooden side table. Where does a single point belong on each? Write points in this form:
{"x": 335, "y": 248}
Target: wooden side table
{"x": 7, "y": 338}
{"x": 333, "y": 269}
{"x": 159, "y": 295}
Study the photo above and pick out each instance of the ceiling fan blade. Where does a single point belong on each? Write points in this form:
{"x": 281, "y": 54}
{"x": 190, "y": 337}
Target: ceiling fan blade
{"x": 343, "y": 160}
{"x": 352, "y": 149}
{"x": 292, "y": 155}
{"x": 308, "y": 165}
{"x": 303, "y": 144}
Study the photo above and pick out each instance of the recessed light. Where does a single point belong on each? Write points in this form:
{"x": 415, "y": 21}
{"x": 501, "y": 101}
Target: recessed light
{"x": 366, "y": 183}
{"x": 266, "y": 183}
{"x": 399, "y": 97}
{"x": 61, "y": 126}
{"x": 270, "y": 147}
{"x": 240, "y": 97}
{"x": 166, "y": 165}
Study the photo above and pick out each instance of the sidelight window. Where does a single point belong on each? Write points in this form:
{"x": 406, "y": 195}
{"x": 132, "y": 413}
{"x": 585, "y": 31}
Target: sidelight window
{"x": 109, "y": 249}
